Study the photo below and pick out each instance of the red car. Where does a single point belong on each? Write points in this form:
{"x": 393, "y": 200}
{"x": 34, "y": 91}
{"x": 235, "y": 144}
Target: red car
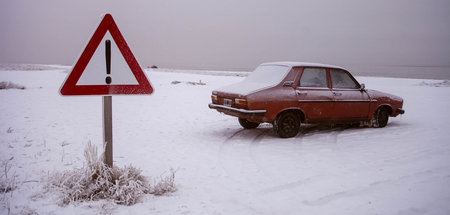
{"x": 287, "y": 94}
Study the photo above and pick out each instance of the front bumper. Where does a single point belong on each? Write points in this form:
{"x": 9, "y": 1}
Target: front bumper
{"x": 243, "y": 112}
{"x": 400, "y": 111}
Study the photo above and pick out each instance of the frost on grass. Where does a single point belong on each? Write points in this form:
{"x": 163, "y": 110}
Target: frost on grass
{"x": 97, "y": 181}
{"x": 10, "y": 85}
{"x": 7, "y": 181}
{"x": 165, "y": 185}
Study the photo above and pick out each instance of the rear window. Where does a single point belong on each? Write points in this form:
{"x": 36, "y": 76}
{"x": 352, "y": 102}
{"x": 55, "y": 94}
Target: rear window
{"x": 268, "y": 75}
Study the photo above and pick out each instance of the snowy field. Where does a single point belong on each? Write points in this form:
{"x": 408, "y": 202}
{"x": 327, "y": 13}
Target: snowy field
{"x": 403, "y": 169}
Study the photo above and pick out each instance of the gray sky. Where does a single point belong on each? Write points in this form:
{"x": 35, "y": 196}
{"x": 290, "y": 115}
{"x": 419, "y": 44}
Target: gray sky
{"x": 233, "y": 34}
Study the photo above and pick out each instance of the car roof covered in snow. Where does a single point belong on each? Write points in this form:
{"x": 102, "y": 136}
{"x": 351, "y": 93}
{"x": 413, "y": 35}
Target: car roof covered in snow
{"x": 295, "y": 64}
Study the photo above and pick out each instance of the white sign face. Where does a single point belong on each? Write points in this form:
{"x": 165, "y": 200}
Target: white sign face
{"x": 95, "y": 72}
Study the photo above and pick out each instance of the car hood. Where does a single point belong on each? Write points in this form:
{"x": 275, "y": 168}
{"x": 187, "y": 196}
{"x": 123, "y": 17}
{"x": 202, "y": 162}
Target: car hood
{"x": 243, "y": 88}
{"x": 375, "y": 94}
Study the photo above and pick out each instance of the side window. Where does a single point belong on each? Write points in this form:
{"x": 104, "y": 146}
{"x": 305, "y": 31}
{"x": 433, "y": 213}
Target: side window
{"x": 313, "y": 77}
{"x": 340, "y": 79}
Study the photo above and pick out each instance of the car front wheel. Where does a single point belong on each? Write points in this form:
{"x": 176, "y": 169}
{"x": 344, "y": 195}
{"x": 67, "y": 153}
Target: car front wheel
{"x": 247, "y": 124}
{"x": 287, "y": 125}
{"x": 381, "y": 118}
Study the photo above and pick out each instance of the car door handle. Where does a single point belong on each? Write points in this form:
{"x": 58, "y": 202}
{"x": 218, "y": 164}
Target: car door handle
{"x": 337, "y": 94}
{"x": 300, "y": 93}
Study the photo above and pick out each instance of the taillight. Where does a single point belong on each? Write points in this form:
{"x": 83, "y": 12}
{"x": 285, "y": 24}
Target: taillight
{"x": 241, "y": 102}
{"x": 214, "y": 98}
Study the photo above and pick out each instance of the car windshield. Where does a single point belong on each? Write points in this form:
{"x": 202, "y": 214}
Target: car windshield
{"x": 268, "y": 75}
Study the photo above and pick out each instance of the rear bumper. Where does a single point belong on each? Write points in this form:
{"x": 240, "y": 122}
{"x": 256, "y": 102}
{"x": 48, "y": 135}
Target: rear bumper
{"x": 243, "y": 112}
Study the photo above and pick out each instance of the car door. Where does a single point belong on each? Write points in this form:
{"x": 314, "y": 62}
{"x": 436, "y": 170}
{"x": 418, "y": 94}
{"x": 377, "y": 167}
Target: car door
{"x": 350, "y": 102}
{"x": 314, "y": 95}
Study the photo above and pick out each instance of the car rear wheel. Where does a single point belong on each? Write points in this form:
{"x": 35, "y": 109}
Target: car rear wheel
{"x": 287, "y": 125}
{"x": 381, "y": 118}
{"x": 247, "y": 124}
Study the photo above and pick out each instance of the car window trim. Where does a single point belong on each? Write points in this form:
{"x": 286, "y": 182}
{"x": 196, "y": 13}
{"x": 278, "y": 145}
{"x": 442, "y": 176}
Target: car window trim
{"x": 347, "y": 89}
{"x": 313, "y": 88}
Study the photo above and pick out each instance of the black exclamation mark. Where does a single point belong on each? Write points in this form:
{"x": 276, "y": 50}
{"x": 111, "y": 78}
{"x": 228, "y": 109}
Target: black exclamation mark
{"x": 108, "y": 61}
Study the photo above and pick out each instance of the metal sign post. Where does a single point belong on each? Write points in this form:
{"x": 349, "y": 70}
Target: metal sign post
{"x": 107, "y": 130}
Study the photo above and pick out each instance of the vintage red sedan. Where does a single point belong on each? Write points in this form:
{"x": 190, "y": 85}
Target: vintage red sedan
{"x": 287, "y": 94}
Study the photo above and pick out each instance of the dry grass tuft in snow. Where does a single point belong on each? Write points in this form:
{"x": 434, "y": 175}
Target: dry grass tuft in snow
{"x": 7, "y": 181}
{"x": 189, "y": 83}
{"x": 96, "y": 181}
{"x": 166, "y": 185}
{"x": 10, "y": 85}
{"x": 445, "y": 83}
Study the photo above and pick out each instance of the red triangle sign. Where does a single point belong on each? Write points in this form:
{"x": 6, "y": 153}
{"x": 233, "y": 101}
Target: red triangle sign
{"x": 106, "y": 66}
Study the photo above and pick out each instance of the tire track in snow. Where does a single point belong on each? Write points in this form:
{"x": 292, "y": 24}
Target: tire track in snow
{"x": 287, "y": 186}
{"x": 335, "y": 132}
{"x": 231, "y": 147}
{"x": 380, "y": 184}
{"x": 233, "y": 135}
{"x": 333, "y": 136}
{"x": 314, "y": 130}
{"x": 251, "y": 138}
{"x": 259, "y": 137}
{"x": 251, "y": 150}
{"x": 223, "y": 146}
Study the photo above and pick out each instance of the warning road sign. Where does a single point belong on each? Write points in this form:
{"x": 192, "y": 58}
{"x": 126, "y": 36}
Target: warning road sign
{"x": 106, "y": 66}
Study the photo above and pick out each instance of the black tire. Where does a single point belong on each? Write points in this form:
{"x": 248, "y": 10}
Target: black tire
{"x": 247, "y": 124}
{"x": 381, "y": 118}
{"x": 287, "y": 124}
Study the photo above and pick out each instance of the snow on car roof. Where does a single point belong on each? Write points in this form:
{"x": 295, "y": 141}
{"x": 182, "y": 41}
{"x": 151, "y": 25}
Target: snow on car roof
{"x": 293, "y": 64}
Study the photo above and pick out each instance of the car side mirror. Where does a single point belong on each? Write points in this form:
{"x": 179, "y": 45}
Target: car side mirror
{"x": 288, "y": 84}
{"x": 363, "y": 87}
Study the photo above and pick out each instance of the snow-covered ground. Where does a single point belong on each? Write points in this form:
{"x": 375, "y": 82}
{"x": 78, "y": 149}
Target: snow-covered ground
{"x": 220, "y": 168}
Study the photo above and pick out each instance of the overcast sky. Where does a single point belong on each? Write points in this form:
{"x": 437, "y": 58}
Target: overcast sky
{"x": 233, "y": 34}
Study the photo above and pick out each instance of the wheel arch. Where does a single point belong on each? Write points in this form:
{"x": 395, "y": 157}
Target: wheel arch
{"x": 386, "y": 107}
{"x": 296, "y": 111}
{"x": 382, "y": 106}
